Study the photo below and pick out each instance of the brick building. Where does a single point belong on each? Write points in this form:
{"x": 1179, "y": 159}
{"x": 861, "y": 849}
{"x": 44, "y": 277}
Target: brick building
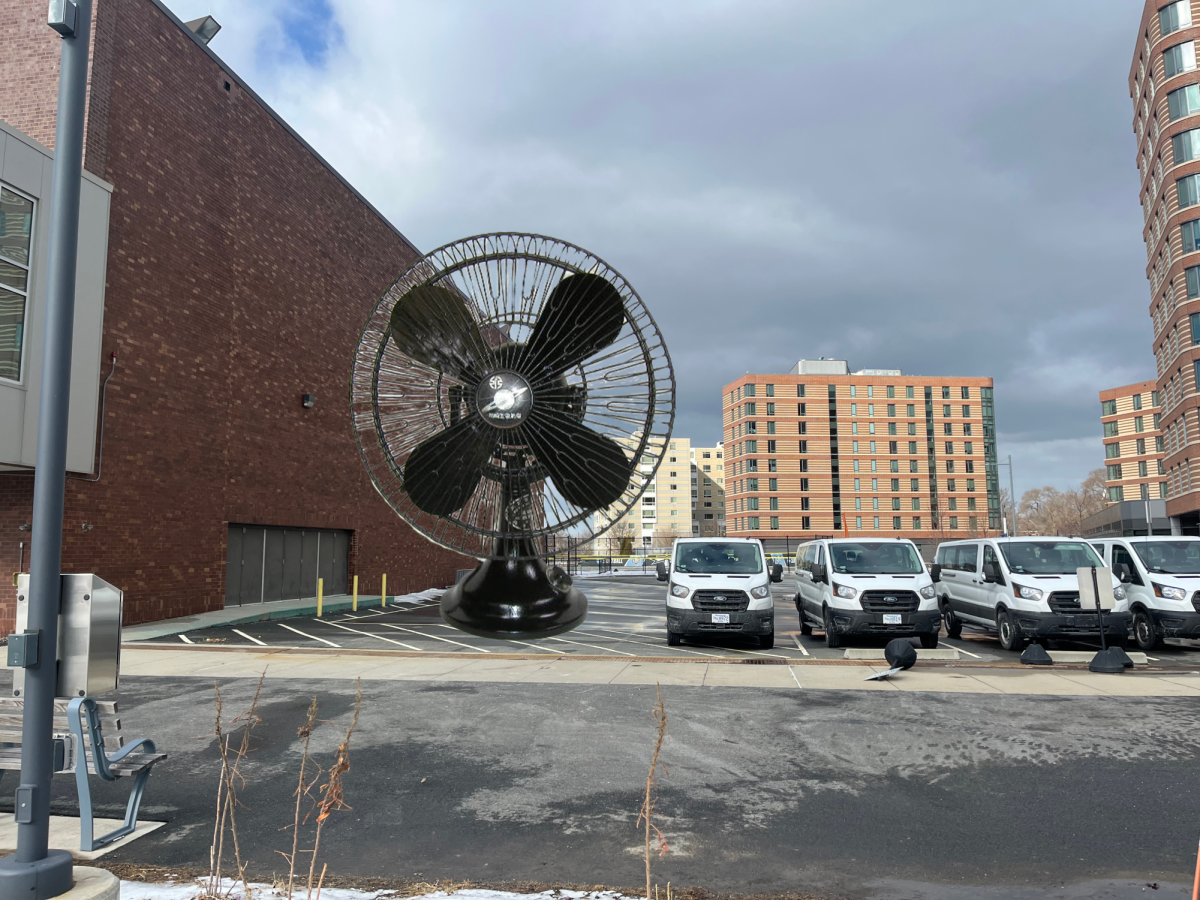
{"x": 1133, "y": 445}
{"x": 240, "y": 267}
{"x": 1164, "y": 85}
{"x": 823, "y": 451}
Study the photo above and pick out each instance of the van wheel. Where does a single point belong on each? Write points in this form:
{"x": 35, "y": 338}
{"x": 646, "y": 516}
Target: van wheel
{"x": 953, "y": 624}
{"x": 766, "y": 641}
{"x": 833, "y": 640}
{"x": 673, "y": 639}
{"x": 1011, "y": 638}
{"x": 1147, "y": 636}
{"x": 929, "y": 641}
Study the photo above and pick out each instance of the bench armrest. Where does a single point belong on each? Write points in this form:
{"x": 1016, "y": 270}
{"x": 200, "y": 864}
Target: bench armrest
{"x": 91, "y": 736}
{"x": 139, "y": 744}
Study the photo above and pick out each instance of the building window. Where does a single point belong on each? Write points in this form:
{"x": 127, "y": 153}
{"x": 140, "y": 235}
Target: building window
{"x": 803, "y": 428}
{"x": 772, "y": 464}
{"x": 895, "y": 503}
{"x": 917, "y": 523}
{"x": 1112, "y": 451}
{"x": 1142, "y": 472}
{"x": 800, "y": 393}
{"x": 950, "y": 484}
{"x": 708, "y": 515}
{"x": 946, "y": 392}
{"x": 771, "y": 446}
{"x": 1184, "y": 101}
{"x": 804, "y": 484}
{"x": 965, "y": 393}
{"x": 949, "y": 447}
{"x": 896, "y": 523}
{"x": 954, "y": 523}
{"x": 952, "y": 503}
{"x": 946, "y": 410}
{"x": 876, "y": 522}
{"x": 752, "y": 523}
{"x": 1109, "y": 407}
{"x": 772, "y": 484}
{"x": 805, "y": 523}
{"x": 916, "y": 503}
{"x": 1180, "y": 58}
{"x": 1187, "y": 189}
{"x": 801, "y": 410}
{"x": 914, "y": 484}
{"x": 858, "y": 523}
{"x": 804, "y": 465}
{"x": 751, "y": 503}
{"x": 969, "y": 447}
{"x": 1139, "y": 424}
{"x": 752, "y": 484}
{"x": 1111, "y": 429}
{"x": 774, "y": 523}
{"x": 16, "y": 237}
{"x": 1174, "y": 16}
{"x": 774, "y": 504}
{"x": 1116, "y": 494}
{"x": 749, "y": 390}
{"x": 967, "y": 431}
{"x": 908, "y": 394}
{"x": 770, "y": 409}
{"x": 970, "y": 484}
{"x": 947, "y": 428}
{"x": 770, "y": 390}
{"x": 853, "y": 390}
{"x": 912, "y": 446}
{"x": 804, "y": 449}
{"x": 891, "y": 391}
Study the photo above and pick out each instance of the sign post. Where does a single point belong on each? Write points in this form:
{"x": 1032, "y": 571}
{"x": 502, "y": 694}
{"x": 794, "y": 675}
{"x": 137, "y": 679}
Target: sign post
{"x": 1091, "y": 596}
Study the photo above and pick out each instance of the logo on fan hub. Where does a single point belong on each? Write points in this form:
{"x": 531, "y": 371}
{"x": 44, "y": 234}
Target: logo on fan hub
{"x": 504, "y": 399}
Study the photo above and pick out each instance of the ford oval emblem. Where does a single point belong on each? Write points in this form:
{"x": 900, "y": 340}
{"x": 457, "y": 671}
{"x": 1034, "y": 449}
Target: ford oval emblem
{"x": 891, "y": 601}
{"x": 719, "y": 598}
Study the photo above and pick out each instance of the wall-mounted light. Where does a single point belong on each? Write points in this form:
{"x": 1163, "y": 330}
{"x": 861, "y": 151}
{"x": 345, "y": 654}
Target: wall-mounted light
{"x": 308, "y": 400}
{"x": 24, "y": 527}
{"x": 86, "y": 527}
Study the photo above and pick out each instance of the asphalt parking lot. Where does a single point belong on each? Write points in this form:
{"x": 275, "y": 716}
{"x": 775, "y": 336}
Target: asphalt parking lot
{"x": 625, "y": 620}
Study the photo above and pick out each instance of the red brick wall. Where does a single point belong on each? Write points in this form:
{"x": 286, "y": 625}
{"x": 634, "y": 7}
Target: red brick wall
{"x": 240, "y": 272}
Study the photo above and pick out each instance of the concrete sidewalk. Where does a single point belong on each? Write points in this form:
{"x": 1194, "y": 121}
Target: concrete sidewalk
{"x": 334, "y": 666}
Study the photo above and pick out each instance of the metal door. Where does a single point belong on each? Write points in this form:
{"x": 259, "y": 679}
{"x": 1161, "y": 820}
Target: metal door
{"x": 273, "y": 565}
{"x": 292, "y": 551}
{"x": 233, "y": 567}
{"x": 252, "y": 565}
{"x": 325, "y": 556}
{"x": 340, "y": 582}
{"x": 308, "y": 563}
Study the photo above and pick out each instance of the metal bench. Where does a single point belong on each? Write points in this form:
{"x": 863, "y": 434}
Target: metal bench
{"x": 93, "y": 729}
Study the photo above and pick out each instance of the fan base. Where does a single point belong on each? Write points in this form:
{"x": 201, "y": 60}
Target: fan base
{"x": 508, "y": 598}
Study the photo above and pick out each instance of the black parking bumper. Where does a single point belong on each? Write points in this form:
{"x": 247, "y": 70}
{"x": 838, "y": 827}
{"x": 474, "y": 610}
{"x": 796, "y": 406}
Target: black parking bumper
{"x": 692, "y": 623}
{"x": 923, "y": 621}
{"x": 1081, "y": 624}
{"x": 1177, "y": 624}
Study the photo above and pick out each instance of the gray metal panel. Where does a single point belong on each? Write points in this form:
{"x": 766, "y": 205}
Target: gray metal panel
{"x": 89, "y": 636}
{"x": 292, "y": 551}
{"x": 326, "y": 560}
{"x": 233, "y": 567}
{"x": 308, "y": 564}
{"x": 273, "y": 565}
{"x": 252, "y": 565}
{"x": 341, "y": 564}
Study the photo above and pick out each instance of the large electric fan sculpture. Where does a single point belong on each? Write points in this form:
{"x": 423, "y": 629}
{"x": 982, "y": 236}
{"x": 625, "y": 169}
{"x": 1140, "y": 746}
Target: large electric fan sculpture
{"x": 506, "y": 388}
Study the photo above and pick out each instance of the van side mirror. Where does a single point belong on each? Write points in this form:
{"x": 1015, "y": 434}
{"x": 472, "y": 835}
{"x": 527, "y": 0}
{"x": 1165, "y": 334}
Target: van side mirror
{"x": 991, "y": 574}
{"x": 777, "y": 573}
{"x": 818, "y": 572}
{"x": 1121, "y": 570}
{"x": 660, "y": 569}
{"x": 935, "y": 572}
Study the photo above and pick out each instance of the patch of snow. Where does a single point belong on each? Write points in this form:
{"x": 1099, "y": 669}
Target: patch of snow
{"x": 191, "y": 890}
{"x": 420, "y": 597}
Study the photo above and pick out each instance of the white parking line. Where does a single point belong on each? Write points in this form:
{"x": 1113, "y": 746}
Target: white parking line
{"x": 650, "y": 644}
{"x": 505, "y": 640}
{"x": 435, "y": 637}
{"x": 794, "y": 678}
{"x": 379, "y": 637}
{"x": 968, "y": 652}
{"x": 247, "y": 637}
{"x": 800, "y": 647}
{"x": 186, "y": 639}
{"x": 311, "y": 637}
{"x": 593, "y": 646}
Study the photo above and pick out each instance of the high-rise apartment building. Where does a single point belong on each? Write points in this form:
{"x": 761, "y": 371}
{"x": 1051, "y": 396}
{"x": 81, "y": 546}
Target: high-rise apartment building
{"x": 1133, "y": 445}
{"x": 1165, "y": 87}
{"x": 823, "y": 451}
{"x": 686, "y": 496}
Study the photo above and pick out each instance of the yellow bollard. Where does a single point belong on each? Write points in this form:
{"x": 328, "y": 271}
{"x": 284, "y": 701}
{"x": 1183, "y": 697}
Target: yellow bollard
{"x": 383, "y": 593}
{"x": 354, "y": 605}
{"x": 320, "y": 595}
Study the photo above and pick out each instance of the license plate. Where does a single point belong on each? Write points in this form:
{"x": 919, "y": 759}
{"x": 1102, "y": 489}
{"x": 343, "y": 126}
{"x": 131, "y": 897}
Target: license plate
{"x": 891, "y": 619}
{"x": 720, "y": 618}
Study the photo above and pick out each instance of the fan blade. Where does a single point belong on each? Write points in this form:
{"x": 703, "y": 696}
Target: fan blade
{"x": 433, "y": 325}
{"x": 589, "y": 469}
{"x": 583, "y": 315}
{"x": 443, "y": 471}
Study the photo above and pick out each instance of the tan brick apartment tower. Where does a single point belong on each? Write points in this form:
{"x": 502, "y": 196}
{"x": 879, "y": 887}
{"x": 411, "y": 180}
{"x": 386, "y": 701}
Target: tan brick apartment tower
{"x": 239, "y": 270}
{"x": 1165, "y": 87}
{"x": 1133, "y": 444}
{"x": 823, "y": 451}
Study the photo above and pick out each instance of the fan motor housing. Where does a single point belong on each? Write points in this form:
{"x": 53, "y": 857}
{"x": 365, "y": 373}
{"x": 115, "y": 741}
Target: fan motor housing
{"x": 504, "y": 399}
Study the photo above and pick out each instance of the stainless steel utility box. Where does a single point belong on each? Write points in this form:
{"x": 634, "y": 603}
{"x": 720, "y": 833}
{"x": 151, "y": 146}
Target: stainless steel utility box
{"x": 89, "y": 636}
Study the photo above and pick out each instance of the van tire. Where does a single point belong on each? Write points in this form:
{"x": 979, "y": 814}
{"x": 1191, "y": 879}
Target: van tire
{"x": 833, "y": 640}
{"x": 1147, "y": 636}
{"x": 1011, "y": 638}
{"x": 673, "y": 639}
{"x": 766, "y": 641}
{"x": 929, "y": 641}
{"x": 953, "y": 623}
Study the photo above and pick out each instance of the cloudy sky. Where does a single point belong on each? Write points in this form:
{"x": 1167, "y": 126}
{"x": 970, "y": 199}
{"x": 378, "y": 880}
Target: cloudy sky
{"x": 943, "y": 187}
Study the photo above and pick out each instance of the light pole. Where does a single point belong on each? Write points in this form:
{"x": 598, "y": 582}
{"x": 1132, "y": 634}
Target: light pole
{"x": 35, "y": 872}
{"x": 1012, "y": 496}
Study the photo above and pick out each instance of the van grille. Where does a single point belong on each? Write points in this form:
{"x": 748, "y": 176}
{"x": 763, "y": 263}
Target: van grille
{"x": 720, "y": 601}
{"x": 901, "y": 601}
{"x": 709, "y": 626}
{"x": 1064, "y": 601}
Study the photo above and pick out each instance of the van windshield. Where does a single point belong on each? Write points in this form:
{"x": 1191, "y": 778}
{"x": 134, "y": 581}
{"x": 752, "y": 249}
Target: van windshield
{"x": 1170, "y": 557}
{"x": 718, "y": 558}
{"x": 874, "y": 558}
{"x": 1048, "y": 557}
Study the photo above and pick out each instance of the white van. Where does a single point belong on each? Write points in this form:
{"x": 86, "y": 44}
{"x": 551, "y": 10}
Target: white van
{"x": 1024, "y": 588}
{"x": 873, "y": 586}
{"x": 1161, "y": 575}
{"x": 719, "y": 586}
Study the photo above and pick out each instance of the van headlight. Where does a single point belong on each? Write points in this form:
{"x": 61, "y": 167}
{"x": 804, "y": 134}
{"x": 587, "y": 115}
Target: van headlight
{"x": 844, "y": 591}
{"x": 678, "y": 590}
{"x": 929, "y": 592}
{"x": 1119, "y": 592}
{"x": 1027, "y": 593}
{"x": 1171, "y": 593}
{"x": 761, "y": 591}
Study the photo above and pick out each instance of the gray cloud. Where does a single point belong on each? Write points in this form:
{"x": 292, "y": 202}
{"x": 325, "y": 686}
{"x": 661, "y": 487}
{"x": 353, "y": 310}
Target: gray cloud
{"x": 947, "y": 188}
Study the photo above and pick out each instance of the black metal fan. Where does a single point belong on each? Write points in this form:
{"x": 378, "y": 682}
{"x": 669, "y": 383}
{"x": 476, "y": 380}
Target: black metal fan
{"x": 506, "y": 388}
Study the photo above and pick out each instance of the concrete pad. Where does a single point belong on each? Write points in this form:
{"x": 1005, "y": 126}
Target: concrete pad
{"x": 493, "y": 670}
{"x": 940, "y": 681}
{"x": 1133, "y": 685}
{"x": 726, "y": 675}
{"x": 414, "y": 669}
{"x": 64, "y": 835}
{"x": 664, "y": 673}
{"x": 840, "y": 678}
{"x": 1085, "y": 656}
{"x": 566, "y": 671}
{"x": 877, "y": 653}
{"x": 1026, "y": 682}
